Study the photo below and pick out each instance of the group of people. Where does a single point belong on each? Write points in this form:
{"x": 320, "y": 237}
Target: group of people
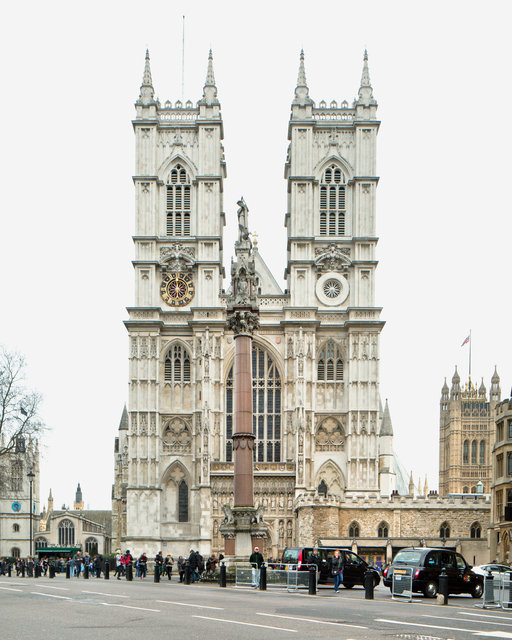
{"x": 194, "y": 564}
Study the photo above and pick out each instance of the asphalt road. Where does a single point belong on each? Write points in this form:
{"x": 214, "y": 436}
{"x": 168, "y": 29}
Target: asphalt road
{"x": 77, "y": 609}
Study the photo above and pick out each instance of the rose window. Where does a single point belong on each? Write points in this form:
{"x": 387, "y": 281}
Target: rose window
{"x": 332, "y": 288}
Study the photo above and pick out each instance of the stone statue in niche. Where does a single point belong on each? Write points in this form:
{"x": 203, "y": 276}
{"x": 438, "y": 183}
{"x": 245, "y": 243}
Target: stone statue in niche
{"x": 243, "y": 221}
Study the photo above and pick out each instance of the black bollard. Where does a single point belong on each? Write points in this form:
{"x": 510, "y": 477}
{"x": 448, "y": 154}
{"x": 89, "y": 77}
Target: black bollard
{"x": 129, "y": 572}
{"x": 187, "y": 574}
{"x": 443, "y": 586}
{"x": 86, "y": 571}
{"x": 263, "y": 578}
{"x": 22, "y": 570}
{"x": 222, "y": 578}
{"x": 107, "y": 570}
{"x": 52, "y": 571}
{"x": 368, "y": 585}
{"x": 68, "y": 571}
{"x": 157, "y": 573}
{"x": 37, "y": 571}
{"x": 9, "y": 570}
{"x": 312, "y": 581}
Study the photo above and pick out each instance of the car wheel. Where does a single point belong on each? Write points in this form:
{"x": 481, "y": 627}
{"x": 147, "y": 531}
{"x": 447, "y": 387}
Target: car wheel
{"x": 477, "y": 590}
{"x": 430, "y": 589}
{"x": 376, "y": 582}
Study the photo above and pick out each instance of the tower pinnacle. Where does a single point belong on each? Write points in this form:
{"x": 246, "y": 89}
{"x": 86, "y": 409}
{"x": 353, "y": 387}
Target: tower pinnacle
{"x": 147, "y": 92}
{"x": 210, "y": 88}
{"x": 365, "y": 90}
{"x": 301, "y": 90}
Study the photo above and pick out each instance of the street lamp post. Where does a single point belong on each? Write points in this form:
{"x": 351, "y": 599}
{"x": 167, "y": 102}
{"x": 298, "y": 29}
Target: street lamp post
{"x": 31, "y": 475}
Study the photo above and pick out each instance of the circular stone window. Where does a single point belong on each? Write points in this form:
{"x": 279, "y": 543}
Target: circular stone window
{"x": 332, "y": 289}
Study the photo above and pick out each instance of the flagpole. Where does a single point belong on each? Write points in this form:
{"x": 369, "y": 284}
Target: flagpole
{"x": 470, "y": 354}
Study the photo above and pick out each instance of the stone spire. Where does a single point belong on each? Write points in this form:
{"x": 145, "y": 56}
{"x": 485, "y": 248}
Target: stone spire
{"x": 365, "y": 90}
{"x": 386, "y": 428}
{"x": 425, "y": 488}
{"x": 50, "y": 502}
{"x": 495, "y": 386}
{"x": 482, "y": 391}
{"x": 123, "y": 424}
{"x": 147, "y": 92}
{"x": 301, "y": 90}
{"x": 411, "y": 485}
{"x": 210, "y": 88}
{"x": 79, "y": 502}
{"x": 455, "y": 390}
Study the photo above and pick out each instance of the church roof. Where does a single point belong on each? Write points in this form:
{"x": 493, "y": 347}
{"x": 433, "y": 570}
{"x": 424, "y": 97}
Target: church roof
{"x": 267, "y": 284}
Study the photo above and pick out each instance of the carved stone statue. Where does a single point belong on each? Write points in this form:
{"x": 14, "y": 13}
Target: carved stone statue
{"x": 243, "y": 221}
{"x": 229, "y": 518}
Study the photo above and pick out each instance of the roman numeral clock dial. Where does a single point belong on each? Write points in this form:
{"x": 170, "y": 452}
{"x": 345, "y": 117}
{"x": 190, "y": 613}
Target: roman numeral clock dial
{"x": 177, "y": 289}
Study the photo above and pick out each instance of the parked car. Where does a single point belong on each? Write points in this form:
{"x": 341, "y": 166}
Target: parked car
{"x": 496, "y": 569}
{"x": 353, "y": 573}
{"x": 427, "y": 563}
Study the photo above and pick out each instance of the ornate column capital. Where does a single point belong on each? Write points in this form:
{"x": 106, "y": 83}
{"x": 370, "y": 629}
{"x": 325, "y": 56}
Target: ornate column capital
{"x": 243, "y": 320}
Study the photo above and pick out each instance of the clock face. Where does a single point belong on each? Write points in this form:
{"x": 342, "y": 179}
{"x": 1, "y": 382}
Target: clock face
{"x": 16, "y": 506}
{"x": 177, "y": 289}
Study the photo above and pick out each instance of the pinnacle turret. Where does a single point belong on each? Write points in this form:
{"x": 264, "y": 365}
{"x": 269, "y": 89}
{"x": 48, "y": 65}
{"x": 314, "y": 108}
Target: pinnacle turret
{"x": 365, "y": 90}
{"x": 210, "y": 88}
{"x": 386, "y": 428}
{"x": 147, "y": 92}
{"x": 123, "y": 424}
{"x": 301, "y": 90}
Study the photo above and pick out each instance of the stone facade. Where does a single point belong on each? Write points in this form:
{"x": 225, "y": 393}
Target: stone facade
{"x": 501, "y": 532}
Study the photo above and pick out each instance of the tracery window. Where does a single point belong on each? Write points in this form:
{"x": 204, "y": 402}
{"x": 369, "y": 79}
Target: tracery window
{"x": 476, "y": 530}
{"x": 91, "y": 545}
{"x": 383, "y": 530}
{"x": 482, "y": 451}
{"x": 330, "y": 364}
{"x": 178, "y": 203}
{"x": 322, "y": 488}
{"x": 465, "y": 452}
{"x": 353, "y": 530}
{"x": 332, "y": 202}
{"x": 17, "y": 475}
{"x": 444, "y": 530}
{"x": 183, "y": 502}
{"x": 41, "y": 543}
{"x": 66, "y": 533}
{"x": 266, "y": 406}
{"x": 177, "y": 365}
{"x": 15, "y": 552}
{"x": 473, "y": 452}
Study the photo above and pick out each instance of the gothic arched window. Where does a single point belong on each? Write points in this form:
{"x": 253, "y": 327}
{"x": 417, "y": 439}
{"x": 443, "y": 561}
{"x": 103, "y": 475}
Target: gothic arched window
{"x": 17, "y": 475}
{"x": 266, "y": 407}
{"x": 482, "y": 451}
{"x": 330, "y": 364}
{"x": 183, "y": 502}
{"x": 178, "y": 203}
{"x": 475, "y": 530}
{"x": 465, "y": 452}
{"x": 66, "y": 533}
{"x": 15, "y": 552}
{"x": 322, "y": 488}
{"x": 177, "y": 365}
{"x": 353, "y": 530}
{"x": 332, "y": 202}
{"x": 41, "y": 543}
{"x": 383, "y": 530}
{"x": 15, "y": 527}
{"x": 91, "y": 546}
{"x": 444, "y": 530}
{"x": 473, "y": 452}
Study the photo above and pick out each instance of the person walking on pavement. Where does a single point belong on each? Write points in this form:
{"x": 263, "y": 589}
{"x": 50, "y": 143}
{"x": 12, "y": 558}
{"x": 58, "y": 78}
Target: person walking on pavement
{"x": 159, "y": 562}
{"x": 181, "y": 568}
{"x": 314, "y": 559}
{"x": 168, "y": 565}
{"x": 256, "y": 561}
{"x": 192, "y": 563}
{"x": 337, "y": 566}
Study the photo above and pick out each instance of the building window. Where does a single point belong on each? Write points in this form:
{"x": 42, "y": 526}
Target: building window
{"x": 383, "y": 529}
{"x": 499, "y": 432}
{"x": 66, "y": 533}
{"x": 17, "y": 475}
{"x": 266, "y": 407}
{"x": 499, "y": 465}
{"x": 183, "y": 502}
{"x": 16, "y": 527}
{"x": 91, "y": 546}
{"x": 482, "y": 451}
{"x": 41, "y": 543}
{"x": 332, "y": 202}
{"x": 509, "y": 464}
{"x": 499, "y": 505}
{"x": 330, "y": 364}
{"x": 444, "y": 530}
{"x": 473, "y": 452}
{"x": 178, "y": 203}
{"x": 353, "y": 530}
{"x": 475, "y": 530}
{"x": 465, "y": 452}
{"x": 15, "y": 552}
{"x": 177, "y": 365}
{"x": 322, "y": 488}
{"x": 465, "y": 490}
{"x": 510, "y": 429}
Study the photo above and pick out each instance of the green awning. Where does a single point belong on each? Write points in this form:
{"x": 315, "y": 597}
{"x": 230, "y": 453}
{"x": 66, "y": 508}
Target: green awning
{"x": 57, "y": 549}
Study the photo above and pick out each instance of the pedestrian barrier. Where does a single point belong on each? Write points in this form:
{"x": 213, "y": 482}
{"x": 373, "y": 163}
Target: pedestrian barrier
{"x": 506, "y": 591}
{"x": 247, "y": 575}
{"x": 401, "y": 586}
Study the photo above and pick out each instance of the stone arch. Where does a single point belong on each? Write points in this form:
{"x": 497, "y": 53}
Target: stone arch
{"x": 343, "y": 164}
{"x": 330, "y": 435}
{"x": 169, "y": 163}
{"x": 170, "y": 483}
{"x": 333, "y": 477}
{"x": 176, "y": 435}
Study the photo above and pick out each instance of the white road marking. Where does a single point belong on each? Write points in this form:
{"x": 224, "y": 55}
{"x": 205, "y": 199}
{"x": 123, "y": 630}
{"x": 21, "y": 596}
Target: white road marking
{"x": 49, "y": 595}
{"x": 100, "y": 593}
{"x": 482, "y": 615}
{"x": 247, "y": 624}
{"x": 184, "y": 604}
{"x": 338, "y": 624}
{"x": 11, "y": 588}
{"x": 16, "y": 584}
{"x": 48, "y": 586}
{"x": 494, "y": 634}
{"x": 430, "y": 626}
{"x": 496, "y": 624}
{"x": 127, "y": 606}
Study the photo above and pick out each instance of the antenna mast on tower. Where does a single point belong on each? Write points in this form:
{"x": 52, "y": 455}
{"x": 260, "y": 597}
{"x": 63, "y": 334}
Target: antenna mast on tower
{"x": 183, "y": 63}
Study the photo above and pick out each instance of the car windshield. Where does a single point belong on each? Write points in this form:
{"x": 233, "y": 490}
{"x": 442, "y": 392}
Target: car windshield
{"x": 407, "y": 557}
{"x": 291, "y": 555}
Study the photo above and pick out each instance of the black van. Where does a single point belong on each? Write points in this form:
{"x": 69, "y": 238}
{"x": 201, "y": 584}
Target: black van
{"x": 353, "y": 573}
{"x": 427, "y": 563}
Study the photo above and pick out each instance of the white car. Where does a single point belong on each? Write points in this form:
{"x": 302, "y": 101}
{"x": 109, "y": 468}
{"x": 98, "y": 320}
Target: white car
{"x": 496, "y": 569}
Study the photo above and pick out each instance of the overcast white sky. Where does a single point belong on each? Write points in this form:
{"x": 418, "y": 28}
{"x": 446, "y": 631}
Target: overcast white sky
{"x": 71, "y": 73}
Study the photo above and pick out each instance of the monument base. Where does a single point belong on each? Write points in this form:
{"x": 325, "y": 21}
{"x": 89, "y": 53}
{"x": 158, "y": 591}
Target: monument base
{"x": 243, "y": 529}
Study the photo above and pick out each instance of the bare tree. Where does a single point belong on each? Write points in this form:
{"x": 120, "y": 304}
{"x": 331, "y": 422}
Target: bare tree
{"x": 19, "y": 406}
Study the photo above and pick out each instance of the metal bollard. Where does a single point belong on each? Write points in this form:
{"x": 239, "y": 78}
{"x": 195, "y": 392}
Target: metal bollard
{"x": 129, "y": 572}
{"x": 312, "y": 581}
{"x": 37, "y": 571}
{"x": 489, "y": 588}
{"x": 22, "y": 570}
{"x": 86, "y": 572}
{"x": 9, "y": 570}
{"x": 52, "y": 571}
{"x": 443, "y": 586}
{"x": 263, "y": 577}
{"x": 222, "y": 578}
{"x": 369, "y": 585}
{"x": 107, "y": 570}
{"x": 157, "y": 573}
{"x": 187, "y": 574}
{"x": 68, "y": 571}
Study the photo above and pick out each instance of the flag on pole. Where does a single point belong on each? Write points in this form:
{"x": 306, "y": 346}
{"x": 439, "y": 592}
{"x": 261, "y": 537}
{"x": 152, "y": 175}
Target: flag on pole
{"x": 23, "y": 411}
{"x": 465, "y": 341}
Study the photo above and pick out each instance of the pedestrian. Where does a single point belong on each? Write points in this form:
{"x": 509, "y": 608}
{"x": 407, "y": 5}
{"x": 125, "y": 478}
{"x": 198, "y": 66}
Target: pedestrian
{"x": 142, "y": 566}
{"x": 192, "y": 565}
{"x": 127, "y": 560}
{"x": 337, "y": 566}
{"x": 181, "y": 568}
{"x": 97, "y": 565}
{"x": 200, "y": 565}
{"x": 159, "y": 562}
{"x": 119, "y": 565}
{"x": 256, "y": 561}
{"x": 168, "y": 562}
{"x": 315, "y": 560}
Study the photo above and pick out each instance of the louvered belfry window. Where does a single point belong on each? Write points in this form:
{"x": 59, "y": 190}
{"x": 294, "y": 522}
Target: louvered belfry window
{"x": 332, "y": 202}
{"x": 330, "y": 364}
{"x": 177, "y": 365}
{"x": 178, "y": 203}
